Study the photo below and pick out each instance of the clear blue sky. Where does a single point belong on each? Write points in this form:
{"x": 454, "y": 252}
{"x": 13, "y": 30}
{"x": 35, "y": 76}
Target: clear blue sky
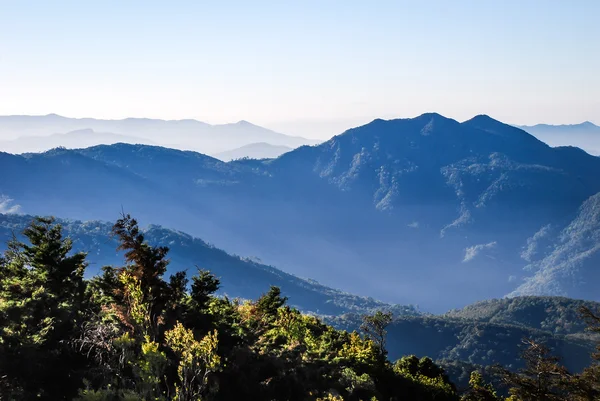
{"x": 288, "y": 63}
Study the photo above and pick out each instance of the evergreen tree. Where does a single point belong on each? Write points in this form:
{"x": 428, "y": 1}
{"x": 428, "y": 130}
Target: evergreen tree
{"x": 41, "y": 297}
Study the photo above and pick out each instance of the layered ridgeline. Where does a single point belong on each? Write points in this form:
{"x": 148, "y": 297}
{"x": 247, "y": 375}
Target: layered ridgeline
{"x": 39, "y": 133}
{"x": 491, "y": 332}
{"x": 482, "y": 334}
{"x": 585, "y": 135}
{"x": 426, "y": 210}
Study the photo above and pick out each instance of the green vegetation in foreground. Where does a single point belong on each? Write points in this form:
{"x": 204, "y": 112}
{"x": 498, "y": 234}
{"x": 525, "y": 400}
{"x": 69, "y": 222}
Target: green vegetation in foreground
{"x": 132, "y": 334}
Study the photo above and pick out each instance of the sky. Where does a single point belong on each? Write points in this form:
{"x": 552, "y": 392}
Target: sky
{"x": 311, "y": 68}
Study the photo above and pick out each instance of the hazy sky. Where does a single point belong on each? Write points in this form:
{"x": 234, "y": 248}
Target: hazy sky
{"x": 306, "y": 67}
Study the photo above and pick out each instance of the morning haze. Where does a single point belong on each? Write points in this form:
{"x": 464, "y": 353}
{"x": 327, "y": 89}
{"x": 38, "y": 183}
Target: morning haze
{"x": 299, "y": 201}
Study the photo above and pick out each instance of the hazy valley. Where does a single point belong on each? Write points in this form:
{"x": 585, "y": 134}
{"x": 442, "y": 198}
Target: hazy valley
{"x": 469, "y": 210}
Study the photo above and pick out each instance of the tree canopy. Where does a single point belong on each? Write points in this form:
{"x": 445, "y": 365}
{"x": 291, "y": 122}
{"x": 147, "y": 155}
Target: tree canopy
{"x": 132, "y": 333}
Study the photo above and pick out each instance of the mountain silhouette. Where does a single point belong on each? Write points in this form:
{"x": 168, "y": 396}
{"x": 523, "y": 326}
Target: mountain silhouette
{"x": 180, "y": 134}
{"x": 585, "y": 135}
{"x": 400, "y": 210}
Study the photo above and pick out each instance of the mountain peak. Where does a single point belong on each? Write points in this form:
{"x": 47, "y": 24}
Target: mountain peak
{"x": 53, "y": 116}
{"x": 482, "y": 119}
{"x": 486, "y": 123}
{"x": 244, "y": 123}
{"x": 425, "y": 117}
{"x": 432, "y": 115}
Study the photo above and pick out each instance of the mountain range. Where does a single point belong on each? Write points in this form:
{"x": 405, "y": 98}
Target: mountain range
{"x": 39, "y": 133}
{"x": 585, "y": 135}
{"x": 426, "y": 211}
{"x": 82, "y": 138}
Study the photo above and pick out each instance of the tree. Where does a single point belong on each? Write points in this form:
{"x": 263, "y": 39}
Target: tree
{"x": 586, "y": 386}
{"x": 479, "y": 390}
{"x": 374, "y": 328}
{"x": 196, "y": 314}
{"x": 268, "y": 303}
{"x": 41, "y": 295}
{"x": 197, "y": 360}
{"x": 203, "y": 286}
{"x": 141, "y": 279}
{"x": 542, "y": 379}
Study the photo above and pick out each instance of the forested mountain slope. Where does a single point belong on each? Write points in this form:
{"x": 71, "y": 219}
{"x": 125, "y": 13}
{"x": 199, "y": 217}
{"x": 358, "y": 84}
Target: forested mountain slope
{"x": 240, "y": 277}
{"x": 553, "y": 314}
{"x": 485, "y": 333}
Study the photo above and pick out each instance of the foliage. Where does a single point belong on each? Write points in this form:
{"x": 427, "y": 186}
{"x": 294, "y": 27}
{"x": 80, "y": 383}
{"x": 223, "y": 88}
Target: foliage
{"x": 41, "y": 307}
{"x": 479, "y": 390}
{"x": 132, "y": 334}
{"x": 197, "y": 359}
{"x": 557, "y": 315}
{"x": 543, "y": 378}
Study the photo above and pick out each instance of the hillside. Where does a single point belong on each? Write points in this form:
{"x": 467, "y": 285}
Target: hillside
{"x": 489, "y": 332}
{"x": 557, "y": 315}
{"x": 399, "y": 209}
{"x": 240, "y": 277}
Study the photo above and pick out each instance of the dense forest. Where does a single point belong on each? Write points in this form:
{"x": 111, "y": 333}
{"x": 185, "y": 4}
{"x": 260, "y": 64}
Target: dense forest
{"x": 132, "y": 333}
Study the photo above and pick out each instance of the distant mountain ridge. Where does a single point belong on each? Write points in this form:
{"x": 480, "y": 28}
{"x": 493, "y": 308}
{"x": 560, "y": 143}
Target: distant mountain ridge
{"x": 82, "y": 138}
{"x": 260, "y": 150}
{"x": 394, "y": 209}
{"x": 181, "y": 134}
{"x": 584, "y": 126}
{"x": 585, "y": 135}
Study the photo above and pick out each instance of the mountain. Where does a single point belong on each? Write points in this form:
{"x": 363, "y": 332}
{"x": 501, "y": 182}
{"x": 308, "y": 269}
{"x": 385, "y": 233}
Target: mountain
{"x": 179, "y": 134}
{"x": 585, "y": 135}
{"x": 573, "y": 251}
{"x": 490, "y": 332}
{"x": 426, "y": 211}
{"x": 261, "y": 150}
{"x": 556, "y": 315}
{"x": 71, "y": 140}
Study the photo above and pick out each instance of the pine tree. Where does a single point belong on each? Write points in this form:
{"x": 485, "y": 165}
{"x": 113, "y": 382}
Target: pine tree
{"x": 41, "y": 296}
